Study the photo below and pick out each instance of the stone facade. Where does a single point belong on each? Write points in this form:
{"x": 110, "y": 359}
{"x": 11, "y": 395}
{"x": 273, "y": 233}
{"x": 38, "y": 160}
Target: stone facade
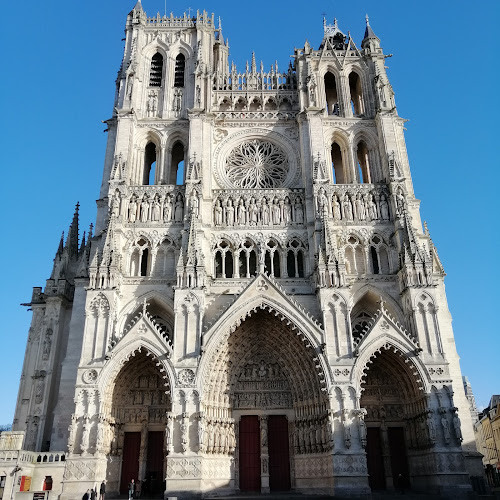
{"x": 258, "y": 260}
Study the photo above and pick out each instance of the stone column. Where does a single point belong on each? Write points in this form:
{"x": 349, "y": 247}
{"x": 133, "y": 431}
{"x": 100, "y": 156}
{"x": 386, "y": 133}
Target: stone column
{"x": 143, "y": 454}
{"x": 264, "y": 456}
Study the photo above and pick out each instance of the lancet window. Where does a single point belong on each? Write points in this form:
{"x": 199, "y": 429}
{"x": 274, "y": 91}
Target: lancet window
{"x": 177, "y": 165}
{"x": 338, "y": 167}
{"x": 332, "y": 99}
{"x": 156, "y": 70}
{"x": 164, "y": 263}
{"x": 180, "y": 66}
{"x": 356, "y": 94}
{"x": 363, "y": 171}
{"x": 355, "y": 259}
{"x": 379, "y": 256}
{"x": 140, "y": 260}
{"x": 224, "y": 260}
{"x": 272, "y": 260}
{"x": 295, "y": 259}
{"x": 150, "y": 163}
{"x": 247, "y": 259}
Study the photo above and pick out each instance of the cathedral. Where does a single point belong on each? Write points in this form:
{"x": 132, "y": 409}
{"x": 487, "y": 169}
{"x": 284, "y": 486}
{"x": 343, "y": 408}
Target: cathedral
{"x": 259, "y": 307}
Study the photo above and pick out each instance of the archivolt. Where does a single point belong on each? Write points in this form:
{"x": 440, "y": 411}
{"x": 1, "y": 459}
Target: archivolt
{"x": 260, "y": 335}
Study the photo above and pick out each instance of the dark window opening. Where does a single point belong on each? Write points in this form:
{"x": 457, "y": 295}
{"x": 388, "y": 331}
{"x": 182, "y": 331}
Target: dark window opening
{"x": 180, "y": 65}
{"x": 228, "y": 264}
{"x": 332, "y": 100}
{"x": 177, "y": 165}
{"x": 156, "y": 71}
{"x": 337, "y": 165}
{"x": 373, "y": 253}
{"x": 144, "y": 262}
{"x": 149, "y": 165}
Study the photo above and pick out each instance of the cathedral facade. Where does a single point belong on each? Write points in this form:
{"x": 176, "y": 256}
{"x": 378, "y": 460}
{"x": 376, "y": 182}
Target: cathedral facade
{"x": 259, "y": 307}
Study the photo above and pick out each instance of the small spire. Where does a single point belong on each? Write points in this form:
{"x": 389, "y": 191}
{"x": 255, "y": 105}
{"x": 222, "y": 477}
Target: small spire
{"x": 254, "y": 65}
{"x": 220, "y": 24}
{"x": 83, "y": 243}
{"x": 61, "y": 245}
{"x": 368, "y": 31}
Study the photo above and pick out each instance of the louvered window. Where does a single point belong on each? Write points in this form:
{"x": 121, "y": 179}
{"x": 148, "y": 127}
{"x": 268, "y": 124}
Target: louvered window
{"x": 156, "y": 70}
{"x": 180, "y": 65}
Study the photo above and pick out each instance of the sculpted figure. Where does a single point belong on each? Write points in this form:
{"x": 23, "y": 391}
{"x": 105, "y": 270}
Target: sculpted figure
{"x": 179, "y": 209}
{"x": 322, "y": 202}
{"x": 360, "y": 208}
{"x": 347, "y": 206}
{"x": 287, "y": 211}
{"x": 372, "y": 208}
{"x": 144, "y": 210}
{"x": 265, "y": 216}
{"x": 299, "y": 212}
{"x": 253, "y": 212}
{"x": 457, "y": 427}
{"x": 132, "y": 210}
{"x": 275, "y": 213}
{"x": 156, "y": 210}
{"x": 446, "y": 429}
{"x": 230, "y": 213}
{"x": 242, "y": 213}
{"x": 384, "y": 208}
{"x": 167, "y": 209}
{"x": 337, "y": 214}
{"x": 195, "y": 205}
{"x": 218, "y": 213}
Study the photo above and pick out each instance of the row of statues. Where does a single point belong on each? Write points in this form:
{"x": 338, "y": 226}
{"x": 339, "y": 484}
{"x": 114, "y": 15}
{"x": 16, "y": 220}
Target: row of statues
{"x": 350, "y": 207}
{"x": 216, "y": 436}
{"x": 157, "y": 209}
{"x": 258, "y": 212}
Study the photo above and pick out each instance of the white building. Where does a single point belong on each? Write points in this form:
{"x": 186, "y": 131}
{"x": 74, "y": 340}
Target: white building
{"x": 260, "y": 307}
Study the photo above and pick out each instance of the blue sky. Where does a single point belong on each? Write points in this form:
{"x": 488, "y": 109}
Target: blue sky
{"x": 60, "y": 60}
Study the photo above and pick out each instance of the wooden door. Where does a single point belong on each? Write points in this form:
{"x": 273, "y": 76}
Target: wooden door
{"x": 130, "y": 465}
{"x": 279, "y": 458}
{"x": 249, "y": 453}
{"x": 154, "y": 467}
{"x": 399, "y": 460}
{"x": 374, "y": 459}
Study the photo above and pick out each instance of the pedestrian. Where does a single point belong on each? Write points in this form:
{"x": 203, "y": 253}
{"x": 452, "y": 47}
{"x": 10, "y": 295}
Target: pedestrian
{"x": 86, "y": 495}
{"x": 400, "y": 483}
{"x": 131, "y": 489}
{"x": 102, "y": 490}
{"x": 93, "y": 494}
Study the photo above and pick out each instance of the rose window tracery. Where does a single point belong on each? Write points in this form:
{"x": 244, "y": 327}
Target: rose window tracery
{"x": 257, "y": 164}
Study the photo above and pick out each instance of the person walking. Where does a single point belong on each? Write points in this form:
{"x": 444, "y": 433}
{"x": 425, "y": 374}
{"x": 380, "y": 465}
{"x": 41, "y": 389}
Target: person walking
{"x": 131, "y": 489}
{"x": 86, "y": 495}
{"x": 93, "y": 494}
{"x": 102, "y": 490}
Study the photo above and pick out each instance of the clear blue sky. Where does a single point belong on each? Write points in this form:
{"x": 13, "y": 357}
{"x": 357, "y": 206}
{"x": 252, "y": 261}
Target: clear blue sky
{"x": 60, "y": 60}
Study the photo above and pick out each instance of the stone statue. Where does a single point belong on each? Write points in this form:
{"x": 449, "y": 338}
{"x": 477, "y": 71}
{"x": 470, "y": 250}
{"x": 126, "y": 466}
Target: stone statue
{"x": 287, "y": 211}
{"x": 275, "y": 212}
{"x": 446, "y": 428}
{"x": 242, "y": 213}
{"x": 384, "y": 208}
{"x": 265, "y": 217}
{"x": 299, "y": 212}
{"x": 337, "y": 214}
{"x": 132, "y": 210}
{"x": 457, "y": 427}
{"x": 179, "y": 209}
{"x": 218, "y": 213}
{"x": 167, "y": 209}
{"x": 230, "y": 213}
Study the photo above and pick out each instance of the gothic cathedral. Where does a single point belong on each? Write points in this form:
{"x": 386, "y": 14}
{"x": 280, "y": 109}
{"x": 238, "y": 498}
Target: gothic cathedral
{"x": 259, "y": 307}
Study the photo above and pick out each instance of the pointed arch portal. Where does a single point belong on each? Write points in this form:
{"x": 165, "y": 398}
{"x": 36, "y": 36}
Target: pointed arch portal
{"x": 396, "y": 409}
{"x": 139, "y": 405}
{"x": 264, "y": 380}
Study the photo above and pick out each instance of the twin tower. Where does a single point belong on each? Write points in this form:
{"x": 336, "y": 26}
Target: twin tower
{"x": 259, "y": 307}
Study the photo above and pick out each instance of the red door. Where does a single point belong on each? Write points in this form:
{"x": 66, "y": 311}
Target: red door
{"x": 375, "y": 462}
{"x": 130, "y": 465}
{"x": 154, "y": 467}
{"x": 399, "y": 462}
{"x": 249, "y": 453}
{"x": 279, "y": 459}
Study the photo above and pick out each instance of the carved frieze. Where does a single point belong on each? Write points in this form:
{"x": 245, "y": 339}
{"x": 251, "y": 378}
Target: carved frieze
{"x": 181, "y": 468}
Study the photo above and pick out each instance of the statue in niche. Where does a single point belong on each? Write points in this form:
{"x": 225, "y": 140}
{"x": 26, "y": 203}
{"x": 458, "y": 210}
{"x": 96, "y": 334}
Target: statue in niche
{"x": 253, "y": 212}
{"x": 179, "y": 209}
{"x": 311, "y": 87}
{"x": 115, "y": 205}
{"x": 322, "y": 202}
{"x": 265, "y": 212}
{"x": 287, "y": 211}
{"x": 195, "y": 205}
{"x": 372, "y": 208}
{"x": 384, "y": 208}
{"x": 72, "y": 433}
{"x": 337, "y": 214}
{"x": 130, "y": 86}
{"x": 132, "y": 209}
{"x": 39, "y": 392}
{"x": 400, "y": 203}
{"x": 457, "y": 427}
{"x": 242, "y": 213}
{"x": 360, "y": 207}
{"x": 299, "y": 211}
{"x": 167, "y": 209}
{"x": 230, "y": 213}
{"x": 347, "y": 206}
{"x": 152, "y": 103}
{"x": 275, "y": 212}
{"x": 177, "y": 106}
{"x": 446, "y": 428}
{"x": 156, "y": 211}
{"x": 47, "y": 343}
{"x": 431, "y": 428}
{"x": 85, "y": 436}
{"x": 218, "y": 213}
{"x": 144, "y": 209}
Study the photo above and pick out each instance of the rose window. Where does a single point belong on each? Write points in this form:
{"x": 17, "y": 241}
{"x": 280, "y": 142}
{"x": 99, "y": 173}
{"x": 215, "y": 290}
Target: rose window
{"x": 257, "y": 164}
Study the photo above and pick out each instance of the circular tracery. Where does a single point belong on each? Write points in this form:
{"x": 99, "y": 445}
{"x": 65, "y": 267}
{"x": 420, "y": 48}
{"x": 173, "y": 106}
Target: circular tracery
{"x": 257, "y": 164}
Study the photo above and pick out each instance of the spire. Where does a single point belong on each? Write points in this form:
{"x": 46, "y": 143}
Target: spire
{"x": 138, "y": 6}
{"x": 72, "y": 241}
{"x": 61, "y": 245}
{"x": 254, "y": 65}
{"x": 368, "y": 31}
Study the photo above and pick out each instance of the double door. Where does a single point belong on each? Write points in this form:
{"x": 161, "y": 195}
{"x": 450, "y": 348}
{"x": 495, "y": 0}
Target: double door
{"x": 258, "y": 462}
